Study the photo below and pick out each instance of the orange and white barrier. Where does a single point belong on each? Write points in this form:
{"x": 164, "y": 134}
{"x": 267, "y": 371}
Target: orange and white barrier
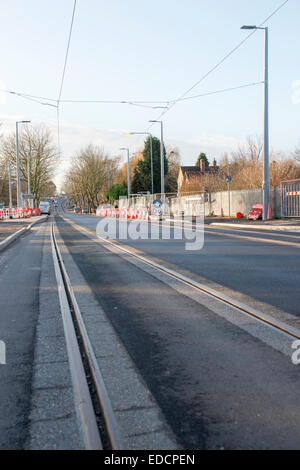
{"x": 132, "y": 214}
{"x": 21, "y": 213}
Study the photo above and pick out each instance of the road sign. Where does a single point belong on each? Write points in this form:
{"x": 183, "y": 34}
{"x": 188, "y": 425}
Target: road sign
{"x": 157, "y": 207}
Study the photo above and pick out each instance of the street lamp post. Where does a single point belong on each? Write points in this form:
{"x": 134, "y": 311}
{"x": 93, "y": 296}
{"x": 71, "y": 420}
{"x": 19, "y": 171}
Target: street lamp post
{"x": 19, "y": 194}
{"x": 28, "y": 172}
{"x": 9, "y": 186}
{"x": 28, "y": 177}
{"x": 229, "y": 179}
{"x": 162, "y": 157}
{"x": 151, "y": 152}
{"x": 108, "y": 182}
{"x": 128, "y": 174}
{"x": 266, "y": 122}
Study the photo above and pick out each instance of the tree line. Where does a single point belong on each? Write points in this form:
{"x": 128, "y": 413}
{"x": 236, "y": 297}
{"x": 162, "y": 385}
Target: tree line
{"x": 36, "y": 141}
{"x": 245, "y": 165}
{"x": 94, "y": 177}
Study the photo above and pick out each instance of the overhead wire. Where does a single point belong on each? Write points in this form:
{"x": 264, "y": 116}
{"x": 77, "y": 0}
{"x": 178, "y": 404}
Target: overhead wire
{"x": 219, "y": 63}
{"x": 63, "y": 75}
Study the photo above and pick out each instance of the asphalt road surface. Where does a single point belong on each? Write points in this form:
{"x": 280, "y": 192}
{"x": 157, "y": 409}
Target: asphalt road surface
{"x": 262, "y": 274}
{"x": 218, "y": 386}
{"x": 20, "y": 267}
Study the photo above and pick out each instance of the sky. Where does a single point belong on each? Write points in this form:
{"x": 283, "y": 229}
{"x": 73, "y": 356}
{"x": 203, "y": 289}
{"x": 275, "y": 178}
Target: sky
{"x": 151, "y": 51}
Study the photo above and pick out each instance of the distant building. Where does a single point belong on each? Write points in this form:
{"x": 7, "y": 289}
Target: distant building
{"x": 188, "y": 174}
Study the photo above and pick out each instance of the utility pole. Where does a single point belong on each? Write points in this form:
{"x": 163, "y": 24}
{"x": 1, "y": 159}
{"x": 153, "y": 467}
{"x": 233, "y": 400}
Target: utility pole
{"x": 19, "y": 193}
{"x": 9, "y": 186}
{"x": 18, "y": 169}
{"x": 266, "y": 128}
{"x": 28, "y": 176}
{"x": 229, "y": 179}
{"x": 108, "y": 185}
{"x": 266, "y": 181}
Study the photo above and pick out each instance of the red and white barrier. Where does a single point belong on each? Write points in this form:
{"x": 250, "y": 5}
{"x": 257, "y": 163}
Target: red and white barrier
{"x": 132, "y": 214}
{"x": 21, "y": 213}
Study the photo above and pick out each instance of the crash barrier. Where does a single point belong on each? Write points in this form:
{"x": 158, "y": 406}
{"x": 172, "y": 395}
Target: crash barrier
{"x": 132, "y": 214}
{"x": 21, "y": 213}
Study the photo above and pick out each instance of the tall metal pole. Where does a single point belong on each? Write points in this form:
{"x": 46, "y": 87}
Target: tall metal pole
{"x": 128, "y": 174}
{"x": 28, "y": 172}
{"x": 18, "y": 169}
{"x": 19, "y": 193}
{"x": 266, "y": 123}
{"x": 266, "y": 129}
{"x": 108, "y": 182}
{"x": 28, "y": 177}
{"x": 162, "y": 159}
{"x": 9, "y": 186}
{"x": 151, "y": 157}
{"x": 229, "y": 208}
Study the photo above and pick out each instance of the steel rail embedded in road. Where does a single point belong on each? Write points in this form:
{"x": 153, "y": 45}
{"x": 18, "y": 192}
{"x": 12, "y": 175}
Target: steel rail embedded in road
{"x": 243, "y": 308}
{"x": 87, "y": 413}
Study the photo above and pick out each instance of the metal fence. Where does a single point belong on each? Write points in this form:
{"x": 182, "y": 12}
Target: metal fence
{"x": 290, "y": 198}
{"x": 212, "y": 204}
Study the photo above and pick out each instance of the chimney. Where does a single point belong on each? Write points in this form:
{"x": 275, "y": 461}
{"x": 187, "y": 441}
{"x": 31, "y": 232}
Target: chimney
{"x": 202, "y": 165}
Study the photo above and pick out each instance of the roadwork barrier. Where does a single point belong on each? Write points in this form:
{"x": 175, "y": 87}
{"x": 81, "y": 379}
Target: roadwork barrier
{"x": 129, "y": 214}
{"x": 21, "y": 213}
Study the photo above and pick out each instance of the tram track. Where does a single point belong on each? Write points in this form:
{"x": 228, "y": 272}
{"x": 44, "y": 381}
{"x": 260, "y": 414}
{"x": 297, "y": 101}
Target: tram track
{"x": 94, "y": 410}
{"x": 266, "y": 319}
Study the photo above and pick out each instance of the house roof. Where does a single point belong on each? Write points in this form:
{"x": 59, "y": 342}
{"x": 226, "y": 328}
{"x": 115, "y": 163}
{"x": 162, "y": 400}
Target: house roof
{"x": 190, "y": 169}
{"x": 196, "y": 170}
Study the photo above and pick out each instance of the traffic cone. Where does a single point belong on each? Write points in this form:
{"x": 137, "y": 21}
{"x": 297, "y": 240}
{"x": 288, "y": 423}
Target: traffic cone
{"x": 269, "y": 215}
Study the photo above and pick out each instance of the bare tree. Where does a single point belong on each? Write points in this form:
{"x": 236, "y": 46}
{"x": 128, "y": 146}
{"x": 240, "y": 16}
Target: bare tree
{"x": 246, "y": 169}
{"x": 297, "y": 154}
{"x": 87, "y": 179}
{"x": 43, "y": 158}
{"x": 122, "y": 176}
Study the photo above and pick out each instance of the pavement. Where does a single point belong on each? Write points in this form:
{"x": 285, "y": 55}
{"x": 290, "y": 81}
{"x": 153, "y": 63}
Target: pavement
{"x": 235, "y": 221}
{"x": 10, "y": 226}
{"x": 219, "y": 384}
{"x": 36, "y": 391}
{"x": 20, "y": 268}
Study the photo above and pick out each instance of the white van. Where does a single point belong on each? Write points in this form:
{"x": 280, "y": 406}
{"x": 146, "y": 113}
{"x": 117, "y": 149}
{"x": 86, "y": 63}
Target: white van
{"x": 45, "y": 207}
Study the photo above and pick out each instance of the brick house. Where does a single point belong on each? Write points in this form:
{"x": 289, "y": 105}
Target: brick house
{"x": 189, "y": 173}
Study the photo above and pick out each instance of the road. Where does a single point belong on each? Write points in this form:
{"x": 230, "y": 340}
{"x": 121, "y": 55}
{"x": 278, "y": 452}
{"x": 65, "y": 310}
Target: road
{"x": 218, "y": 386}
{"x": 219, "y": 383}
{"x": 264, "y": 275}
